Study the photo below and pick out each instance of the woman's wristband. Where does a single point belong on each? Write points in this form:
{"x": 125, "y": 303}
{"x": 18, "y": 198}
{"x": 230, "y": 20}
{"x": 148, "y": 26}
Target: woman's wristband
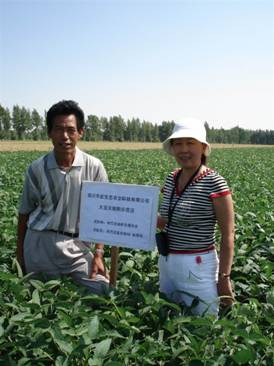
{"x": 223, "y": 275}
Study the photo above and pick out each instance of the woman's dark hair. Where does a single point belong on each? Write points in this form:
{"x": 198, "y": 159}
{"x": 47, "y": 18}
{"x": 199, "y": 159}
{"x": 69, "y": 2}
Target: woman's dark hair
{"x": 65, "y": 108}
{"x": 203, "y": 159}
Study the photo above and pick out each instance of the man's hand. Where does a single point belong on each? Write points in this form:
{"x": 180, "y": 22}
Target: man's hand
{"x": 20, "y": 256}
{"x": 21, "y": 232}
{"x": 98, "y": 266}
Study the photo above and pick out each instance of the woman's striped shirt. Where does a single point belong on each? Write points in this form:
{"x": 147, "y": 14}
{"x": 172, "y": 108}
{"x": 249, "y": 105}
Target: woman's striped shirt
{"x": 193, "y": 220}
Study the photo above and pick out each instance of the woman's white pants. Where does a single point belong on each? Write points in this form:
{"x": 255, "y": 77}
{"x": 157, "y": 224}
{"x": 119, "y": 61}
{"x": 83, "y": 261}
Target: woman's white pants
{"x": 184, "y": 277}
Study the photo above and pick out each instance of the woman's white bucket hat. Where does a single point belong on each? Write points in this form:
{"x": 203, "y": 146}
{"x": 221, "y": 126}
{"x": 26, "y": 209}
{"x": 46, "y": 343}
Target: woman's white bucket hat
{"x": 188, "y": 127}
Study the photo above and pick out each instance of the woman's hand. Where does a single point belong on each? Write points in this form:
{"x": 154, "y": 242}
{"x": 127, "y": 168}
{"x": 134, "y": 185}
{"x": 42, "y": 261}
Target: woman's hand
{"x": 224, "y": 288}
{"x": 161, "y": 222}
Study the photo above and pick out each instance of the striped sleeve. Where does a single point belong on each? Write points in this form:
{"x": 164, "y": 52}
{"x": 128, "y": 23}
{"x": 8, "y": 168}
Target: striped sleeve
{"x": 219, "y": 187}
{"x": 101, "y": 173}
{"x": 30, "y": 195}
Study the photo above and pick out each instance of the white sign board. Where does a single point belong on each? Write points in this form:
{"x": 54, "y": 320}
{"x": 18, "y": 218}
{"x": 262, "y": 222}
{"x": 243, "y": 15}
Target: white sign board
{"x": 124, "y": 215}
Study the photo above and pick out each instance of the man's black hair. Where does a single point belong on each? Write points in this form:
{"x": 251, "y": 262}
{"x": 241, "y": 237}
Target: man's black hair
{"x": 65, "y": 108}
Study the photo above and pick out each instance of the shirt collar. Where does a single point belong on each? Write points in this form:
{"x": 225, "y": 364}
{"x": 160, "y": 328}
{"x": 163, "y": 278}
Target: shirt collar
{"x": 78, "y": 159}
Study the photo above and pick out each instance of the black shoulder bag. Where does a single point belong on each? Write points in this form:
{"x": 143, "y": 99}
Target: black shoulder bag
{"x": 162, "y": 237}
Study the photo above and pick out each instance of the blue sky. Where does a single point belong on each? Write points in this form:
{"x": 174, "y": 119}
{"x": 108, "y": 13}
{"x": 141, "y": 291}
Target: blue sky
{"x": 156, "y": 60}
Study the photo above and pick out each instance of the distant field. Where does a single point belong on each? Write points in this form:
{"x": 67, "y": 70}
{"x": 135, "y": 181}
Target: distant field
{"x": 84, "y": 145}
{"x": 101, "y": 145}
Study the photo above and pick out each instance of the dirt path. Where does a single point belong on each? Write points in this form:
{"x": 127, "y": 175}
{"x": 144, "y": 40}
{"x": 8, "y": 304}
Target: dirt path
{"x": 101, "y": 145}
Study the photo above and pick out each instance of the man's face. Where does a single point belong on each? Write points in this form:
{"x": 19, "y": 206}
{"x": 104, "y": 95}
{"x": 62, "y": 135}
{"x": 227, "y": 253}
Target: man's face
{"x": 64, "y": 133}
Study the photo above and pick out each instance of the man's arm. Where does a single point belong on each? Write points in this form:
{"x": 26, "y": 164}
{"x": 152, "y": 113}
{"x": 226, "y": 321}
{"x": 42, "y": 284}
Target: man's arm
{"x": 21, "y": 232}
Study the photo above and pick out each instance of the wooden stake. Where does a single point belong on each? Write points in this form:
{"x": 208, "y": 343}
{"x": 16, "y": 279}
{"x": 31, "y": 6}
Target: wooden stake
{"x": 114, "y": 265}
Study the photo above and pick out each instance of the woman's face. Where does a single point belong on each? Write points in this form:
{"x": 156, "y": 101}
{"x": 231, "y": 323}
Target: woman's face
{"x": 187, "y": 152}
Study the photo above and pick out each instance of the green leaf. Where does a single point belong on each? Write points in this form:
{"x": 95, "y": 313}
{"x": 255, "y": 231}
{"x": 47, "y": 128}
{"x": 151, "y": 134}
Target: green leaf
{"x": 39, "y": 285}
{"x": 52, "y": 284}
{"x": 20, "y": 317}
{"x": 36, "y": 297}
{"x": 93, "y": 328}
{"x": 61, "y": 361}
{"x": 19, "y": 269}
{"x": 270, "y": 297}
{"x": 6, "y": 276}
{"x": 102, "y": 348}
{"x": 244, "y": 356}
{"x": 95, "y": 362}
{"x": 196, "y": 363}
{"x": 24, "y": 361}
{"x": 61, "y": 341}
{"x": 41, "y": 324}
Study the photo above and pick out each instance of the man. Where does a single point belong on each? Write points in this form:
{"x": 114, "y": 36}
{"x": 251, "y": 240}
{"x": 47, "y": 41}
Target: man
{"x": 48, "y": 224}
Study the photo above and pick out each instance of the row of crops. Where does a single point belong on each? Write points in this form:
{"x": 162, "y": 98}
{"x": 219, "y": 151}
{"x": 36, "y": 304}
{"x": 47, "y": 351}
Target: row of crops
{"x": 58, "y": 323}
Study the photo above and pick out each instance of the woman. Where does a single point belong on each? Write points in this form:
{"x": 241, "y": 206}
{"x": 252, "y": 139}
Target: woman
{"x": 195, "y": 199}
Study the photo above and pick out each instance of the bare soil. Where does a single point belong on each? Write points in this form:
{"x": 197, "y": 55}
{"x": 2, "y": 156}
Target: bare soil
{"x": 101, "y": 145}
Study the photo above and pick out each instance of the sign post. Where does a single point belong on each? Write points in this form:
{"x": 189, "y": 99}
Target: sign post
{"x": 123, "y": 215}
{"x": 114, "y": 253}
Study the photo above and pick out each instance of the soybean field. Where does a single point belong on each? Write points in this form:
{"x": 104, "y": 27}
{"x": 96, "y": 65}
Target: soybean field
{"x": 58, "y": 323}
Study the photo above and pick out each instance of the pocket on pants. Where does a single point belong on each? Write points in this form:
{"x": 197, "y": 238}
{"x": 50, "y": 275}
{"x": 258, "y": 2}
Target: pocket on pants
{"x": 204, "y": 267}
{"x": 77, "y": 248}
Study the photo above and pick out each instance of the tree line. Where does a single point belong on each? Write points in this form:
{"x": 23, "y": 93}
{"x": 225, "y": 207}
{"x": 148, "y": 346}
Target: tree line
{"x": 23, "y": 124}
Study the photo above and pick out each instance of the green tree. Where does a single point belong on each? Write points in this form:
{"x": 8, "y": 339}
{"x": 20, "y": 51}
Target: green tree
{"x": 36, "y": 125}
{"x": 147, "y": 129}
{"x": 107, "y": 131}
{"x": 235, "y": 135}
{"x": 16, "y": 121}
{"x": 136, "y": 127}
{"x": 93, "y": 130}
{"x": 165, "y": 130}
{"x": 132, "y": 129}
{"x": 128, "y": 136}
{"x": 21, "y": 121}
{"x": 118, "y": 127}
{"x": 5, "y": 123}
{"x": 155, "y": 133}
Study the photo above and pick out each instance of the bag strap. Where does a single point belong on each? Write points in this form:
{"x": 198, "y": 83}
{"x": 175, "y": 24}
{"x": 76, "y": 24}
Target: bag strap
{"x": 172, "y": 208}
